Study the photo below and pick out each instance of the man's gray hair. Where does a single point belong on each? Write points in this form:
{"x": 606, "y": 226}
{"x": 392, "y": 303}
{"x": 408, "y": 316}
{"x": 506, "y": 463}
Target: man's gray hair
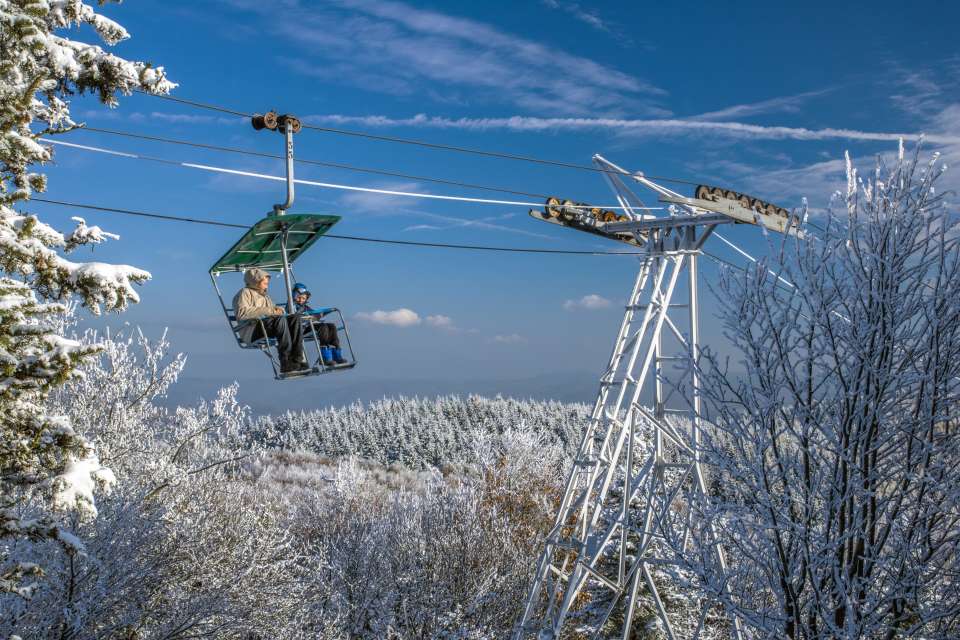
{"x": 253, "y": 276}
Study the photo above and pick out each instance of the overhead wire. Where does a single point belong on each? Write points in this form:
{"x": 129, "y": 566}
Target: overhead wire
{"x": 364, "y": 189}
{"x": 353, "y": 188}
{"x": 507, "y": 156}
{"x": 437, "y": 245}
{"x": 319, "y": 163}
{"x": 315, "y": 183}
{"x": 494, "y": 154}
{"x": 420, "y": 143}
{"x": 432, "y": 245}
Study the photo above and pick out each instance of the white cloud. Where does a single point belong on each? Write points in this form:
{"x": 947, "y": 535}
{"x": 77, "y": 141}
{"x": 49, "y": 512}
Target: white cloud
{"x": 367, "y": 202}
{"x": 441, "y": 322}
{"x": 783, "y": 104}
{"x": 392, "y": 47}
{"x": 512, "y": 338}
{"x": 446, "y": 323}
{"x": 397, "y": 318}
{"x": 918, "y": 95}
{"x": 450, "y": 222}
{"x": 591, "y": 301}
{"x": 591, "y": 19}
{"x": 174, "y": 118}
{"x": 660, "y": 126}
{"x": 183, "y": 118}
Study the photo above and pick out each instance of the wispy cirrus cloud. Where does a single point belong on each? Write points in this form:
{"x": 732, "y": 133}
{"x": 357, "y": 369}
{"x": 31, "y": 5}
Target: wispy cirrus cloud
{"x": 928, "y": 97}
{"x": 394, "y": 205}
{"x": 658, "y": 126}
{"x": 392, "y": 47}
{"x": 443, "y": 223}
{"x": 576, "y": 10}
{"x": 158, "y": 116}
{"x": 590, "y": 18}
{"x": 381, "y": 203}
{"x": 782, "y": 104}
{"x": 923, "y": 93}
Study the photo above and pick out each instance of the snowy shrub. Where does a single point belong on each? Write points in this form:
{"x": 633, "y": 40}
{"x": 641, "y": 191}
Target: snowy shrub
{"x": 186, "y": 544}
{"x": 416, "y": 554}
{"x": 213, "y": 530}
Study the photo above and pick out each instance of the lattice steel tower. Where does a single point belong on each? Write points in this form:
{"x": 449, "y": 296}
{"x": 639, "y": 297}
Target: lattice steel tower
{"x": 625, "y": 517}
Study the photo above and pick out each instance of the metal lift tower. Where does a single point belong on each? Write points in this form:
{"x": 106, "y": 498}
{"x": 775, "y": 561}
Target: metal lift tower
{"x": 625, "y": 517}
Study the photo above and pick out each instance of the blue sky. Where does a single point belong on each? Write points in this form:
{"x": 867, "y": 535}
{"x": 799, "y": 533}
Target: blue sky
{"x": 760, "y": 97}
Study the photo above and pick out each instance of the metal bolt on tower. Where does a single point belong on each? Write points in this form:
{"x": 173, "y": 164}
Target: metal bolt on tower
{"x": 623, "y": 517}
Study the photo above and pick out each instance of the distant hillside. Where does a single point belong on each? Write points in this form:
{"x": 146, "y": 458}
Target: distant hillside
{"x": 419, "y": 433}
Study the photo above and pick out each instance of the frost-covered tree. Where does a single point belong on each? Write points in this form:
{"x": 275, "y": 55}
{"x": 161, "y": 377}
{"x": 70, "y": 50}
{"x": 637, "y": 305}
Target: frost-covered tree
{"x": 419, "y": 432}
{"x": 43, "y": 460}
{"x": 186, "y": 544}
{"x": 835, "y": 457}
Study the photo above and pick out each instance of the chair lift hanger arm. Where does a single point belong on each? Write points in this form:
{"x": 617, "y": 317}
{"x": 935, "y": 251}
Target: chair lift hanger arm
{"x": 287, "y": 125}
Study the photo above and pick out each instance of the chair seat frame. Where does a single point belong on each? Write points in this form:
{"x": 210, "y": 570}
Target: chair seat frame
{"x": 268, "y": 346}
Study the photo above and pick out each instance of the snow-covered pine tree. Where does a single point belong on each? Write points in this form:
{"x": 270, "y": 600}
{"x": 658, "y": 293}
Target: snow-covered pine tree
{"x": 43, "y": 462}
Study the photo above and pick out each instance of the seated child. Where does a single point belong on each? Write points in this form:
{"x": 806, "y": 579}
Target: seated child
{"x": 330, "y": 350}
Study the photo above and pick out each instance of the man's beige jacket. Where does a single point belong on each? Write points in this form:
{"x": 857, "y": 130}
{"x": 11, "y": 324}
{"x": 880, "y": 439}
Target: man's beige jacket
{"x": 248, "y": 305}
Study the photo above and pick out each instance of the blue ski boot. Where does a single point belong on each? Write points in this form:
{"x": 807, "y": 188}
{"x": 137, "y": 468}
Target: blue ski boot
{"x": 326, "y": 354}
{"x": 338, "y": 356}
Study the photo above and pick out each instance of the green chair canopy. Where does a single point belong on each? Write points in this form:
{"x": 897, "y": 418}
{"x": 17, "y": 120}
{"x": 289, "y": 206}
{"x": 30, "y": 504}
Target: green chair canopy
{"x": 260, "y": 246}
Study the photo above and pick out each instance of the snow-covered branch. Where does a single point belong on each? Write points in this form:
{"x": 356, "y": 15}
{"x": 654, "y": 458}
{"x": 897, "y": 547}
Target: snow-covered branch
{"x": 833, "y": 445}
{"x": 45, "y": 464}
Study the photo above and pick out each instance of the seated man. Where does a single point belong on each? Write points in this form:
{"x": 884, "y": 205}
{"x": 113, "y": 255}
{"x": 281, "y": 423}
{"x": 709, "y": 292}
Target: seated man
{"x": 326, "y": 331}
{"x": 256, "y": 313}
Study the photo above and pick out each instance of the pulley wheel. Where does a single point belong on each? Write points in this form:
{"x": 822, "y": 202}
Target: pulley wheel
{"x": 702, "y": 192}
{"x": 267, "y": 120}
{"x": 552, "y": 208}
{"x": 290, "y": 121}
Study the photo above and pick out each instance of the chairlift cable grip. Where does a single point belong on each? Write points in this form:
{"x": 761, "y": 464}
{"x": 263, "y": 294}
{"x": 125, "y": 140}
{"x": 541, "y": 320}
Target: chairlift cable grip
{"x": 288, "y": 125}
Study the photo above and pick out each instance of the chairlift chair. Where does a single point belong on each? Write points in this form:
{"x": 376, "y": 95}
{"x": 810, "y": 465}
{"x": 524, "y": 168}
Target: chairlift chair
{"x": 274, "y": 244}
